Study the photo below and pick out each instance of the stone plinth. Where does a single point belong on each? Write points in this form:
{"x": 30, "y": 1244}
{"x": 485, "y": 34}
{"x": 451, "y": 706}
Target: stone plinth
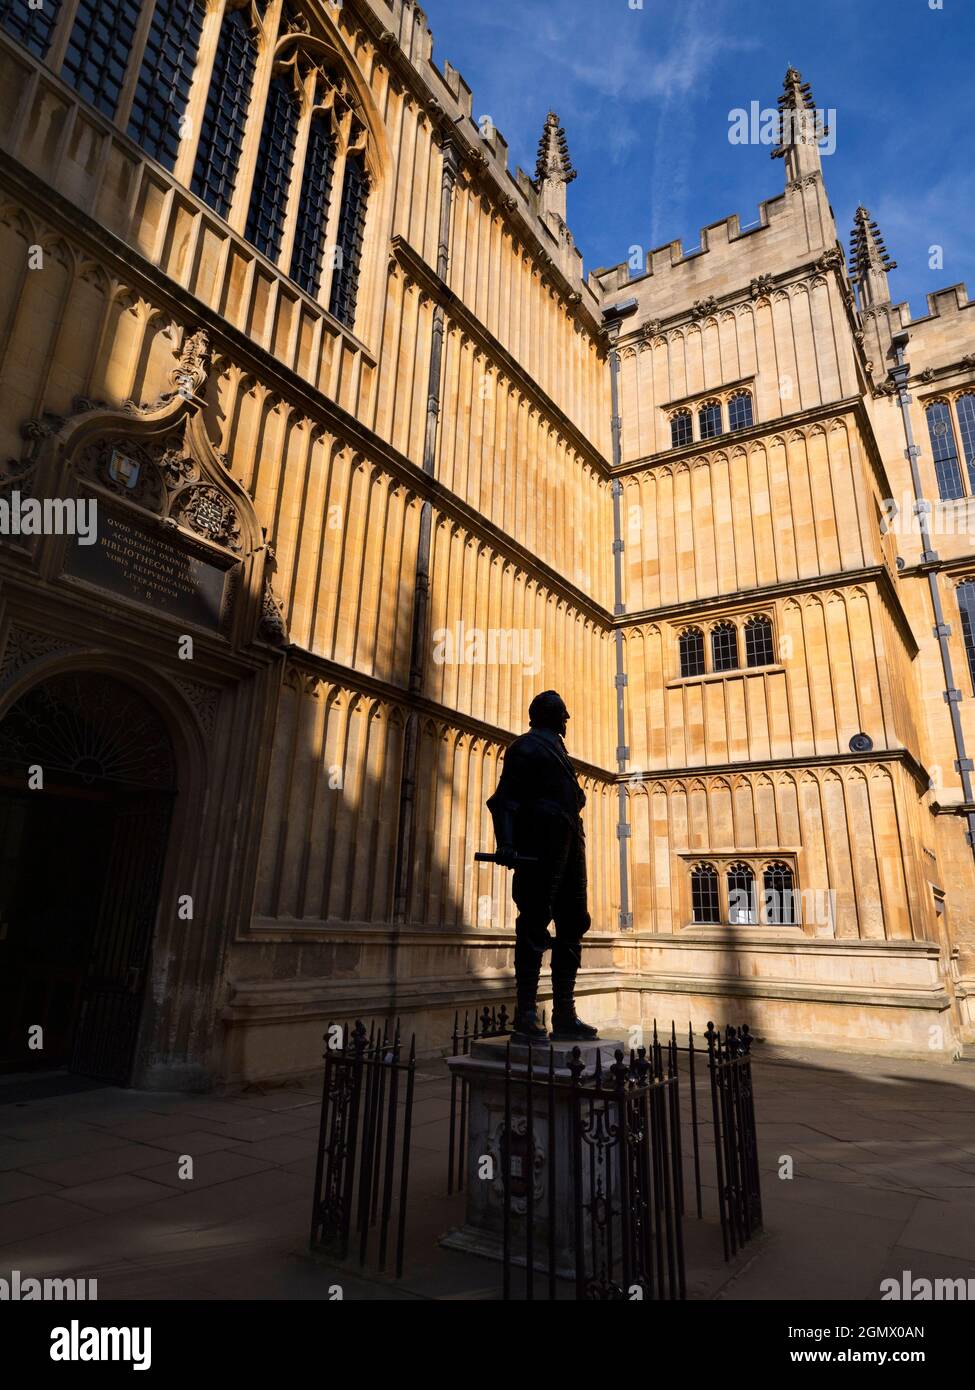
{"x": 484, "y": 1072}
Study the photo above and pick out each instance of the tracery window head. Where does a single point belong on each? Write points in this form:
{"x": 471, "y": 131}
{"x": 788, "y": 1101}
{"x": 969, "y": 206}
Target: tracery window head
{"x": 740, "y": 414}
{"x": 709, "y": 420}
{"x": 327, "y": 165}
{"x": 724, "y": 647}
{"x": 742, "y": 898}
{"x": 681, "y": 429}
{"x": 779, "y": 895}
{"x": 705, "y": 900}
{"x": 759, "y": 643}
{"x": 692, "y": 652}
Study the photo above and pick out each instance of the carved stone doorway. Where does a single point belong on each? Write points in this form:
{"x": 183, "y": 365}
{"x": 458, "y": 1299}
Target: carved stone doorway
{"x": 87, "y": 785}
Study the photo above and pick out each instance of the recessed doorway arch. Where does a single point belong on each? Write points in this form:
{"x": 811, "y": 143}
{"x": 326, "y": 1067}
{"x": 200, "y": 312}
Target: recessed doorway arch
{"x": 88, "y": 786}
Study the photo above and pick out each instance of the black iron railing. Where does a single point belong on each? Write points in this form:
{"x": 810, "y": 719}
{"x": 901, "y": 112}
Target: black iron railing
{"x": 363, "y": 1163}
{"x": 627, "y": 1143}
{"x": 489, "y": 1023}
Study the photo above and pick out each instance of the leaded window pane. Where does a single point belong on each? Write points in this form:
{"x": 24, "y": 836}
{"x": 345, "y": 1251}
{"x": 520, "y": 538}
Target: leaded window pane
{"x": 222, "y": 127}
{"x": 704, "y": 894}
{"x": 945, "y": 454}
{"x": 98, "y": 51}
{"x": 692, "y": 653}
{"x": 272, "y": 177}
{"x": 759, "y": 647}
{"x": 316, "y": 193}
{"x": 352, "y": 222}
{"x": 31, "y": 27}
{"x": 779, "y": 895}
{"x": 724, "y": 648}
{"x": 742, "y": 903}
{"x": 163, "y": 89}
{"x": 965, "y": 406}
{"x": 740, "y": 412}
{"x": 680, "y": 430}
{"x": 966, "y": 603}
{"x": 709, "y": 420}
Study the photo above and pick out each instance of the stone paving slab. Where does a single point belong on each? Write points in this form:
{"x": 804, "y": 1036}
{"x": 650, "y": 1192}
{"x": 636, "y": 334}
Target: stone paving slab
{"x": 121, "y": 1158}
{"x": 117, "y": 1193}
{"x": 884, "y": 1180}
{"x": 209, "y": 1169}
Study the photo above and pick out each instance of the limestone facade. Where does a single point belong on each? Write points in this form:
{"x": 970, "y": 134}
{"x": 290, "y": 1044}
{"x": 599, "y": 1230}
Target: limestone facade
{"x": 374, "y": 350}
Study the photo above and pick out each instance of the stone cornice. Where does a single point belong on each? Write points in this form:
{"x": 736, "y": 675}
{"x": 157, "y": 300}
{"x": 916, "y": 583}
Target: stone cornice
{"x": 718, "y": 604}
{"x": 325, "y": 669}
{"x": 761, "y": 287}
{"x": 700, "y": 448}
{"x": 704, "y": 770}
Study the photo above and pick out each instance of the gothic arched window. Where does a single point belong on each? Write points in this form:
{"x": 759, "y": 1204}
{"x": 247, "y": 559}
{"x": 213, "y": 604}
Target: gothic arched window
{"x": 966, "y": 605}
{"x": 352, "y": 222}
{"x": 759, "y": 646}
{"x": 724, "y": 647}
{"x": 946, "y": 466}
{"x": 779, "y": 895}
{"x": 163, "y": 88}
{"x": 272, "y": 177}
{"x": 222, "y": 127}
{"x": 692, "y": 652}
{"x": 30, "y": 25}
{"x": 709, "y": 420}
{"x": 98, "y": 50}
{"x": 965, "y": 410}
{"x": 742, "y": 902}
{"x": 740, "y": 411}
{"x": 313, "y": 205}
{"x": 705, "y": 902}
{"x": 680, "y": 429}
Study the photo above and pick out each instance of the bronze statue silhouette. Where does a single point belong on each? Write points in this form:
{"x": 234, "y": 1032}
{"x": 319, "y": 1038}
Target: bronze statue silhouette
{"x": 538, "y": 827}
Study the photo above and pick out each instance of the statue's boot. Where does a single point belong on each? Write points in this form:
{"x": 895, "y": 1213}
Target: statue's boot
{"x": 526, "y": 1026}
{"x": 567, "y": 1026}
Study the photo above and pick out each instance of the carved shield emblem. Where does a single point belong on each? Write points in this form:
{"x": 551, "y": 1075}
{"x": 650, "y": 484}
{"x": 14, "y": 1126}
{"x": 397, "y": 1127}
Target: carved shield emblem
{"x": 124, "y": 470}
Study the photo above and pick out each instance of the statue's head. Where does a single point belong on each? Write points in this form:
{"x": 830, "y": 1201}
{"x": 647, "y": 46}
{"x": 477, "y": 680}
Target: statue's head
{"x": 548, "y": 711}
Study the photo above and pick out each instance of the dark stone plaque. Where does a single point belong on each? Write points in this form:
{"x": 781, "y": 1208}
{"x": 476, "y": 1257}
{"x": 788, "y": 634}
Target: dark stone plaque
{"x": 152, "y": 568}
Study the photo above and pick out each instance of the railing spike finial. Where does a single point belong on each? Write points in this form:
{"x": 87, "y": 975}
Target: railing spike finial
{"x": 618, "y": 1070}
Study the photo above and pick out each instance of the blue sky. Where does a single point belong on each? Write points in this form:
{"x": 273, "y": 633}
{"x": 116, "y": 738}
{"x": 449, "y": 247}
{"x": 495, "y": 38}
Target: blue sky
{"x": 645, "y": 96}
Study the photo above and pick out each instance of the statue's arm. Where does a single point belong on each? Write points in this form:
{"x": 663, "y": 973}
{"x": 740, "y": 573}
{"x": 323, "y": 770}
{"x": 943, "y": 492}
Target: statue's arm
{"x": 505, "y": 803}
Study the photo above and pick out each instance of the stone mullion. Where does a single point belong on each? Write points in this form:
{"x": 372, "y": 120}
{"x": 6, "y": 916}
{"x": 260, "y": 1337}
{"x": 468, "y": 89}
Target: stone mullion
{"x": 62, "y": 32}
{"x": 133, "y": 68}
{"x": 260, "y": 87}
{"x": 199, "y": 89}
